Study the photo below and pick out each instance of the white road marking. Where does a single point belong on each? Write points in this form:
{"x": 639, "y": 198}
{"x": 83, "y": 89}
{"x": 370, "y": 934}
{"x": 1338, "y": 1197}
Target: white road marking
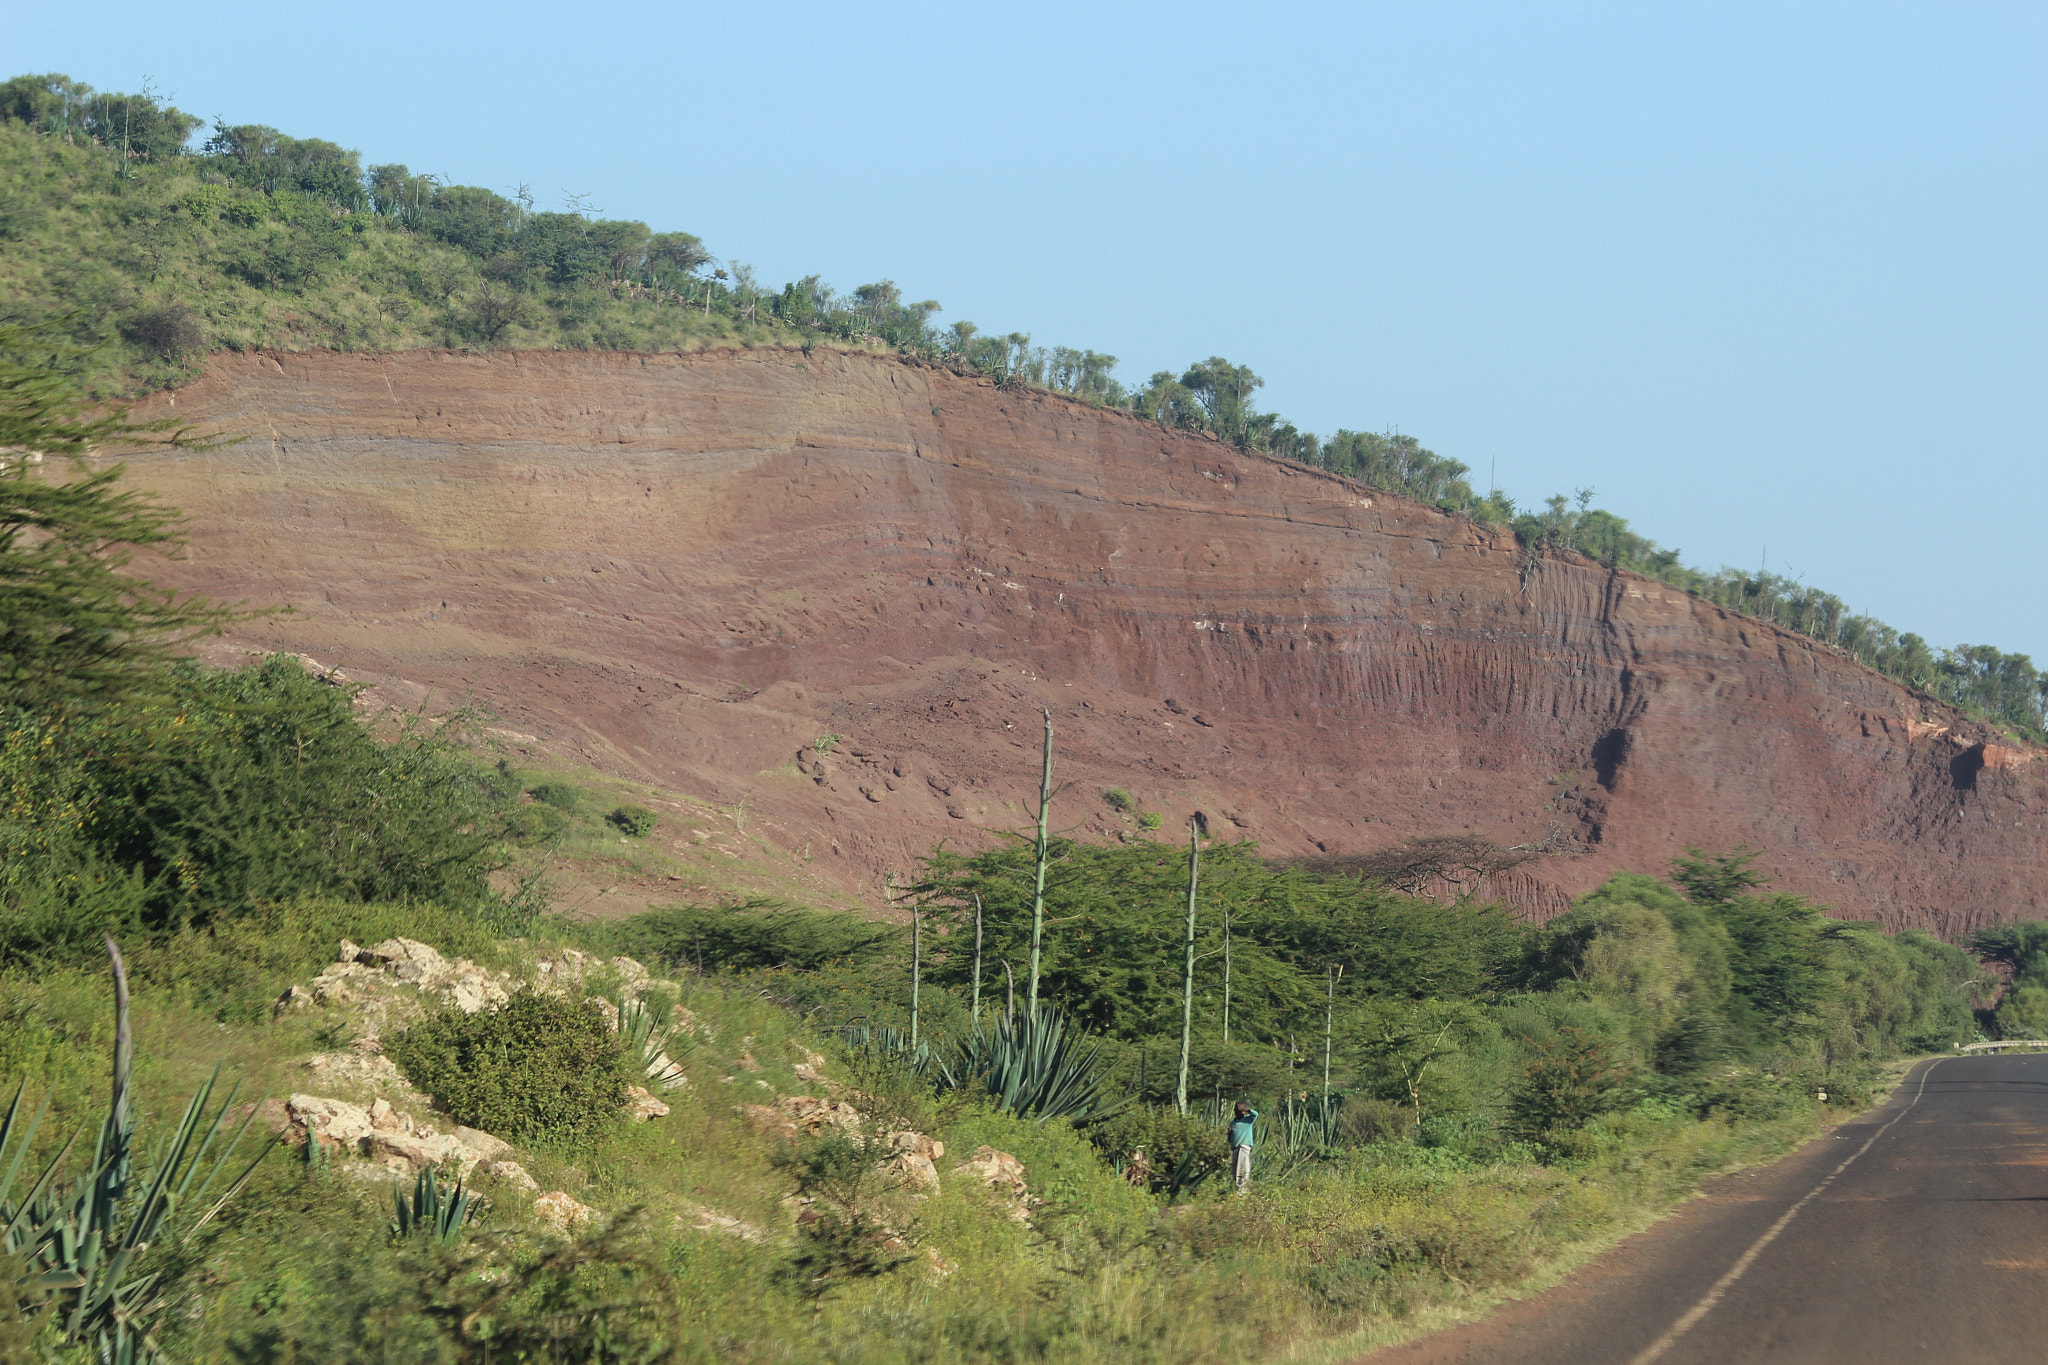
{"x": 1741, "y": 1267}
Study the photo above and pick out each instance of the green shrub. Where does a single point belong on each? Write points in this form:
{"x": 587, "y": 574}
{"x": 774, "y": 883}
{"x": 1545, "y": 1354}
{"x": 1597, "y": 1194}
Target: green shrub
{"x": 1572, "y": 1078}
{"x": 238, "y": 789}
{"x": 1857, "y": 1085}
{"x": 560, "y": 795}
{"x": 1175, "y": 1145}
{"x": 535, "y": 824}
{"x": 637, "y": 821}
{"x": 1116, "y": 798}
{"x": 543, "y": 1066}
{"x": 321, "y": 1282}
{"x": 1151, "y": 819}
{"x": 842, "y": 1235}
{"x": 758, "y": 933}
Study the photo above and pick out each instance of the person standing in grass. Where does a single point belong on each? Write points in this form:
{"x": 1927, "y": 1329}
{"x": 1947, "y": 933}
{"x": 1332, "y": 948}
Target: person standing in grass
{"x": 1241, "y": 1145}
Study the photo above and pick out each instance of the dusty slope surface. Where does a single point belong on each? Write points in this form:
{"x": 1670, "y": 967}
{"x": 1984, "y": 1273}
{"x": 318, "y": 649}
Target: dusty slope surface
{"x": 690, "y": 569}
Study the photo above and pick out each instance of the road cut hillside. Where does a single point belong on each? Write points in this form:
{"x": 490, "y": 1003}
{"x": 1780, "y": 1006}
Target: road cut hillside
{"x": 693, "y": 570}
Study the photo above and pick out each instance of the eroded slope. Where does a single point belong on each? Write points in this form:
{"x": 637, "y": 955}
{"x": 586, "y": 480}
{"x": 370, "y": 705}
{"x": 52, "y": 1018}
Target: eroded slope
{"x": 690, "y": 569}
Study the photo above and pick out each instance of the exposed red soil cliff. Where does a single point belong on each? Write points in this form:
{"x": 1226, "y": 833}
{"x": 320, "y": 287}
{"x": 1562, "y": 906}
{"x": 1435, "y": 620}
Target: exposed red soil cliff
{"x": 691, "y": 568}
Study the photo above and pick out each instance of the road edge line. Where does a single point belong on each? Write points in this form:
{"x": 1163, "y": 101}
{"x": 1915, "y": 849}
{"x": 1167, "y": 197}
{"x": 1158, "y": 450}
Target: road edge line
{"x": 1720, "y": 1287}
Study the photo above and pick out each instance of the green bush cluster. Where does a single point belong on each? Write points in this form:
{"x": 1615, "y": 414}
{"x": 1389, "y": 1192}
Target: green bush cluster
{"x": 557, "y": 795}
{"x": 758, "y": 933}
{"x": 232, "y": 791}
{"x": 535, "y": 824}
{"x": 2022, "y": 1009}
{"x": 541, "y": 1067}
{"x": 1179, "y": 1149}
{"x": 635, "y": 821}
{"x": 1711, "y": 968}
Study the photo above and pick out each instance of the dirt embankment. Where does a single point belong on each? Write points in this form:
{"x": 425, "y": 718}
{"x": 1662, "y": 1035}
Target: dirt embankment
{"x": 693, "y": 569}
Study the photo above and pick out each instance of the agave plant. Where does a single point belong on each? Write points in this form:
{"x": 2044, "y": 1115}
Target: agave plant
{"x": 1035, "y": 1066}
{"x": 1298, "y": 1132}
{"x": 650, "y": 1042}
{"x": 435, "y": 1211}
{"x": 85, "y": 1238}
{"x": 1187, "y": 1176}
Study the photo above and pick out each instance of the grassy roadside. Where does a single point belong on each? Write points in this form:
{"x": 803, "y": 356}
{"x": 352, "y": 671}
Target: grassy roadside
{"x": 1355, "y": 1249}
{"x": 1760, "y": 1147}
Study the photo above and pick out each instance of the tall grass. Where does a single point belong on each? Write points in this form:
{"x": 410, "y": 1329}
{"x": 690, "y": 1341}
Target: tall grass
{"x": 1335, "y": 1237}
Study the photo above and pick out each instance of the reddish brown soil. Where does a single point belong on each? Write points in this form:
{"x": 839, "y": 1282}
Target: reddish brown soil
{"x": 687, "y": 569}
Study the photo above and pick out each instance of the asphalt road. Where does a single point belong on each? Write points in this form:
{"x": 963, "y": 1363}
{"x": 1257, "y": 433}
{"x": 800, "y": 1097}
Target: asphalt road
{"x": 1919, "y": 1232}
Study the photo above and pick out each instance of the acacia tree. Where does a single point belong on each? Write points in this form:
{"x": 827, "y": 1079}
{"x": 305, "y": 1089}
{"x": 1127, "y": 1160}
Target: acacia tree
{"x": 1225, "y": 392}
{"x": 76, "y": 630}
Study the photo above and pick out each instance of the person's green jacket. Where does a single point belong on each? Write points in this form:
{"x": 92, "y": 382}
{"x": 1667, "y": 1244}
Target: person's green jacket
{"x": 1241, "y": 1129}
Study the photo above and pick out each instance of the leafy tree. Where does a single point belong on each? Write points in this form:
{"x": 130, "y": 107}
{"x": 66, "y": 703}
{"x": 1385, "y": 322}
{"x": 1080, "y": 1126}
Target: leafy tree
{"x": 479, "y": 221}
{"x": 1781, "y": 966}
{"x": 1224, "y": 391}
{"x": 259, "y": 156}
{"x": 137, "y": 125}
{"x": 2022, "y": 1012}
{"x": 677, "y": 254}
{"x": 1399, "y": 464}
{"x": 1113, "y": 942}
{"x": 621, "y": 245}
{"x": 1572, "y": 1078}
{"x": 494, "y": 310}
{"x": 260, "y": 785}
{"x": 1717, "y": 878}
{"x": 395, "y": 192}
{"x": 754, "y": 934}
{"x": 75, "y": 630}
{"x": 1905, "y": 992}
{"x": 1403, "y": 1044}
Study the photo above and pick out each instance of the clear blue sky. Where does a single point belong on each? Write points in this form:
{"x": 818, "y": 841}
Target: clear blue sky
{"x": 1760, "y": 275}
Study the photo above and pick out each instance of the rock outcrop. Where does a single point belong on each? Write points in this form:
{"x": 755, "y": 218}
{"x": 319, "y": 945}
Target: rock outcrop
{"x": 693, "y": 570}
{"x": 389, "y": 1137}
{"x": 642, "y": 1106}
{"x": 794, "y": 1116}
{"x": 557, "y": 1207}
{"x": 912, "y": 1161}
{"x": 386, "y": 986}
{"x": 1004, "y": 1176}
{"x": 390, "y": 985}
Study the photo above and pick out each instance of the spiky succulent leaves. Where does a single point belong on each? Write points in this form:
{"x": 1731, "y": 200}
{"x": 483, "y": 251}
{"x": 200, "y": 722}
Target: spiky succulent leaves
{"x": 650, "y": 1042}
{"x": 1035, "y": 1066}
{"x": 433, "y": 1211}
{"x": 19, "y": 1223}
{"x": 1188, "y": 1174}
{"x": 86, "y": 1238}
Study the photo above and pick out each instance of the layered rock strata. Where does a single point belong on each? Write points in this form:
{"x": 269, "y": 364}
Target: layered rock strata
{"x": 698, "y": 570}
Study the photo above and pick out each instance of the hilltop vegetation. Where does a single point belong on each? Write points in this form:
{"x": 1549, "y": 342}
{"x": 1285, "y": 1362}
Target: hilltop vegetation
{"x": 152, "y": 255}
